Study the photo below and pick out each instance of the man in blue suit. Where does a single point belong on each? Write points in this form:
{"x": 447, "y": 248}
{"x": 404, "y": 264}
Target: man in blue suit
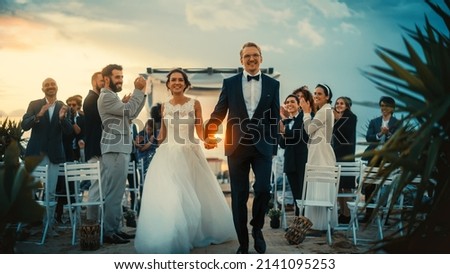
{"x": 251, "y": 100}
{"x": 379, "y": 132}
{"x": 47, "y": 118}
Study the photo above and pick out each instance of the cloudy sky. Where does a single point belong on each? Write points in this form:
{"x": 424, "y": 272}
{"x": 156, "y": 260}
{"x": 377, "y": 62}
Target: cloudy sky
{"x": 306, "y": 41}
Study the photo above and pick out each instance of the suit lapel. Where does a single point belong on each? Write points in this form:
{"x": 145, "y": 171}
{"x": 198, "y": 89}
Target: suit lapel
{"x": 392, "y": 122}
{"x": 55, "y": 116}
{"x": 240, "y": 94}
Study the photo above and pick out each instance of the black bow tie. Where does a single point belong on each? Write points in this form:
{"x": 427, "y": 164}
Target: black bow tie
{"x": 249, "y": 77}
{"x": 287, "y": 121}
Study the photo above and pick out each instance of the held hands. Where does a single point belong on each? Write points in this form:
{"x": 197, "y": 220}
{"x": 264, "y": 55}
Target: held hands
{"x": 210, "y": 142}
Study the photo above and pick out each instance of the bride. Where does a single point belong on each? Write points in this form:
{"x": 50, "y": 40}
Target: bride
{"x": 182, "y": 204}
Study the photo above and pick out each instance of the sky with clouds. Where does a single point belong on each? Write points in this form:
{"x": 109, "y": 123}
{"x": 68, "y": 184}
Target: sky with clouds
{"x": 306, "y": 41}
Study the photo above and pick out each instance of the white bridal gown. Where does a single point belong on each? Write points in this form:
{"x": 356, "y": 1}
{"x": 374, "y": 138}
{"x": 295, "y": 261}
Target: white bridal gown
{"x": 182, "y": 204}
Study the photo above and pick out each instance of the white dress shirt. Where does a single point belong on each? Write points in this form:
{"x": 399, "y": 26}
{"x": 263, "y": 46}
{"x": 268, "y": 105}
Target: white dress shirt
{"x": 51, "y": 109}
{"x": 252, "y": 92}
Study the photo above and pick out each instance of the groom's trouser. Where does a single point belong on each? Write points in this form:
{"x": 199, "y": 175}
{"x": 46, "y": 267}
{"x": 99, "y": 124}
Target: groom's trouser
{"x": 239, "y": 163}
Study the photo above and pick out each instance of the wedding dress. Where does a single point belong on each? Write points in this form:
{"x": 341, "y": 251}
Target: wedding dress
{"x": 182, "y": 204}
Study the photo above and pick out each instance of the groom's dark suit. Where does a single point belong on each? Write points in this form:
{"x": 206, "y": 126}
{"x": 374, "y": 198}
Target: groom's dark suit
{"x": 249, "y": 142}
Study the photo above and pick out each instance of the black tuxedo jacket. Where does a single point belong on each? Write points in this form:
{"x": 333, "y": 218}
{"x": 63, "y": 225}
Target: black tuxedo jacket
{"x": 262, "y": 128}
{"x": 295, "y": 144}
{"x": 46, "y": 136}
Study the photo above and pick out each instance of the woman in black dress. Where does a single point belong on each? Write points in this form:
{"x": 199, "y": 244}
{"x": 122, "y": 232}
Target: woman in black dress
{"x": 344, "y": 146}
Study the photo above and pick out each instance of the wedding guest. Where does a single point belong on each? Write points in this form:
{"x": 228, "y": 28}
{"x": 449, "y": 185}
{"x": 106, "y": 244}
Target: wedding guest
{"x": 344, "y": 146}
{"x": 320, "y": 152}
{"x": 92, "y": 137}
{"x": 116, "y": 145}
{"x": 47, "y": 118}
{"x": 294, "y": 140}
{"x": 380, "y": 130}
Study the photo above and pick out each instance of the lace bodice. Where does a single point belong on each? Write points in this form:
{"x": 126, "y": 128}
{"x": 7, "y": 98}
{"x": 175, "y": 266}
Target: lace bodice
{"x": 179, "y": 121}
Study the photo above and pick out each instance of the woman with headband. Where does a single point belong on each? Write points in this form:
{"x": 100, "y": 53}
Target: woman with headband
{"x": 320, "y": 152}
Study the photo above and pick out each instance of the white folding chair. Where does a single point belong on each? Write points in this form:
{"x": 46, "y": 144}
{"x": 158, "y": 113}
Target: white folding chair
{"x": 281, "y": 200}
{"x": 40, "y": 173}
{"x": 321, "y": 177}
{"x": 75, "y": 174}
{"x": 355, "y": 170}
{"x": 140, "y": 168}
{"x": 136, "y": 188}
{"x": 382, "y": 196}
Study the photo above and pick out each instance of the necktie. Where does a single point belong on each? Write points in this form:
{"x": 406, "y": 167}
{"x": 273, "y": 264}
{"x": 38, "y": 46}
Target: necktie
{"x": 249, "y": 77}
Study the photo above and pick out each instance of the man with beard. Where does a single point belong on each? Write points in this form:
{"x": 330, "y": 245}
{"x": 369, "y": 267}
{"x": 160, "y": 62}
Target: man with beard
{"x": 92, "y": 136}
{"x": 116, "y": 145}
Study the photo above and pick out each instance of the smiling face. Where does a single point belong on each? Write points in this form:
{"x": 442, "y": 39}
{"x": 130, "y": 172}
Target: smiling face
{"x": 320, "y": 98}
{"x": 340, "y": 105}
{"x": 292, "y": 105}
{"x": 49, "y": 87}
{"x": 115, "y": 81}
{"x": 251, "y": 58}
{"x": 176, "y": 83}
{"x": 386, "y": 109}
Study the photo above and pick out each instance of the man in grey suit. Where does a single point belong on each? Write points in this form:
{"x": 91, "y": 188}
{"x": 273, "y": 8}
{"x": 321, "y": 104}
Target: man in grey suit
{"x": 48, "y": 121}
{"x": 252, "y": 101}
{"x": 116, "y": 143}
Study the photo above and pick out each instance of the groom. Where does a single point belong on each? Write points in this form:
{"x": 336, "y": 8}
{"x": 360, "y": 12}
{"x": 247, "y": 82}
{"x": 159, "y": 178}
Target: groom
{"x": 251, "y": 100}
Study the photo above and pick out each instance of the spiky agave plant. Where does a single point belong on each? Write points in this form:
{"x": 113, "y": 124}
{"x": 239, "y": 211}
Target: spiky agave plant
{"x": 421, "y": 147}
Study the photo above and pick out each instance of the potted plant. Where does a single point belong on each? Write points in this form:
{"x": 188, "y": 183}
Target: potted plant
{"x": 17, "y": 204}
{"x": 274, "y": 215}
{"x": 9, "y": 131}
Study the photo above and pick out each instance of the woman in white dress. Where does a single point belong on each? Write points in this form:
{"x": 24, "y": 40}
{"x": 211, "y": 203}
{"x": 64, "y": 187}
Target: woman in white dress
{"x": 320, "y": 151}
{"x": 182, "y": 204}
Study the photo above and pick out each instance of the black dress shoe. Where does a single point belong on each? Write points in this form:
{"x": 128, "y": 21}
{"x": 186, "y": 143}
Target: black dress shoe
{"x": 260, "y": 244}
{"x": 242, "y": 250}
{"x": 115, "y": 239}
{"x": 125, "y": 236}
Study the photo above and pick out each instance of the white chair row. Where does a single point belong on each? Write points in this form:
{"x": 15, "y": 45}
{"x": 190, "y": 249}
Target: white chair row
{"x": 381, "y": 200}
{"x": 364, "y": 176}
{"x": 75, "y": 174}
